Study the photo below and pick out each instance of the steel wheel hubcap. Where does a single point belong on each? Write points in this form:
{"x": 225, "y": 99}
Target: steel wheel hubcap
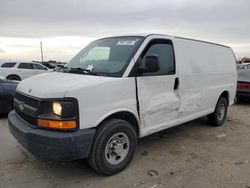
{"x": 221, "y": 112}
{"x": 117, "y": 148}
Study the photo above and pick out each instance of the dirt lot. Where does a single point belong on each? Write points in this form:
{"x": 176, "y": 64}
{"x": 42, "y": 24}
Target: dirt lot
{"x": 191, "y": 155}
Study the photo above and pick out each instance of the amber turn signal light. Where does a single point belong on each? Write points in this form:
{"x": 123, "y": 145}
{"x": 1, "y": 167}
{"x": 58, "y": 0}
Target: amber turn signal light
{"x": 56, "y": 124}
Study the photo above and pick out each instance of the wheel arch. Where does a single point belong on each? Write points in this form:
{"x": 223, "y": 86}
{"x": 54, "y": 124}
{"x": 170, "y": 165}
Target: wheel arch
{"x": 225, "y": 94}
{"x": 123, "y": 114}
{"x": 13, "y": 75}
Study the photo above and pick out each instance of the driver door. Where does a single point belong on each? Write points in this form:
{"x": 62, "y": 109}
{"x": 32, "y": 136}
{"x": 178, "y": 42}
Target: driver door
{"x": 158, "y": 91}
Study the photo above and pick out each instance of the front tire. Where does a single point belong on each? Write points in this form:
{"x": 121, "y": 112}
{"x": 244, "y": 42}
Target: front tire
{"x": 114, "y": 147}
{"x": 217, "y": 118}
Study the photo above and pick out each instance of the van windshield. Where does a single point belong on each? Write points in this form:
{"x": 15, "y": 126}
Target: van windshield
{"x": 108, "y": 56}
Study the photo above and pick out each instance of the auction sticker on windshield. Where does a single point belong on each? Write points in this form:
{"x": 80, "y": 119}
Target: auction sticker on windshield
{"x": 126, "y": 43}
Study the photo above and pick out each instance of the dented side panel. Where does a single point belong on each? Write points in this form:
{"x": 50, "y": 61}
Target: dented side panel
{"x": 158, "y": 100}
{"x": 205, "y": 71}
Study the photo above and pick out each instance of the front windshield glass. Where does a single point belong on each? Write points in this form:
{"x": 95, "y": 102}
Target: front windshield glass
{"x": 108, "y": 56}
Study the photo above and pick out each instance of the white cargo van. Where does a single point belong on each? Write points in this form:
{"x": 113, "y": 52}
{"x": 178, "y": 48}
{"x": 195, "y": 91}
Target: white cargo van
{"x": 119, "y": 89}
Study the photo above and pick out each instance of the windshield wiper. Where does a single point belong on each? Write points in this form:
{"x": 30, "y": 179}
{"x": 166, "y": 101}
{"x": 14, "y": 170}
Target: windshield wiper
{"x": 81, "y": 70}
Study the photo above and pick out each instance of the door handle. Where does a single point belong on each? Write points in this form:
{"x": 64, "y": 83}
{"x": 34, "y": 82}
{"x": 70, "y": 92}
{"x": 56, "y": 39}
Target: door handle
{"x": 176, "y": 83}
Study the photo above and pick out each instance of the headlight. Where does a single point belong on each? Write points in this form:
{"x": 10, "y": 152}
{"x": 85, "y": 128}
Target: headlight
{"x": 58, "y": 114}
{"x": 64, "y": 108}
{"x": 57, "y": 108}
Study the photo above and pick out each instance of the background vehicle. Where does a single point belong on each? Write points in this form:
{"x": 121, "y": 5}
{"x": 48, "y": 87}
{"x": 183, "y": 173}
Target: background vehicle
{"x": 119, "y": 89}
{"x": 21, "y": 70}
{"x": 7, "y": 91}
{"x": 243, "y": 85}
{"x": 243, "y": 66}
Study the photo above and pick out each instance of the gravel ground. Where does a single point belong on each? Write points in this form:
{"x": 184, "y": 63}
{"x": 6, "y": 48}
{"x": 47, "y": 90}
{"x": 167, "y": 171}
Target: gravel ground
{"x": 189, "y": 156}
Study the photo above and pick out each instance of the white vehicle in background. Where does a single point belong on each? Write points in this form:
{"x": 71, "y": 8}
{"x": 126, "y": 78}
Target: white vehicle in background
{"x": 119, "y": 89}
{"x": 21, "y": 70}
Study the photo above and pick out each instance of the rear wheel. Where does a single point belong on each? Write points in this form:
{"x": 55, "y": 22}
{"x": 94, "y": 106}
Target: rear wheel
{"x": 13, "y": 77}
{"x": 217, "y": 118}
{"x": 114, "y": 147}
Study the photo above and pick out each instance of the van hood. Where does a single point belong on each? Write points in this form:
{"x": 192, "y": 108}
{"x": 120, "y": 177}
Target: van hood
{"x": 56, "y": 84}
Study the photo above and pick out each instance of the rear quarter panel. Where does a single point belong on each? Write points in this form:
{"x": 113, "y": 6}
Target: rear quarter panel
{"x": 205, "y": 70}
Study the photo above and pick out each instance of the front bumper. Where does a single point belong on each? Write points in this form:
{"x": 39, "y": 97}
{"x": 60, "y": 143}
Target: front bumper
{"x": 51, "y": 145}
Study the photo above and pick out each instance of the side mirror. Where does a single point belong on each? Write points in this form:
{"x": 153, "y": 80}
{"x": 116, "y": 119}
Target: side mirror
{"x": 151, "y": 64}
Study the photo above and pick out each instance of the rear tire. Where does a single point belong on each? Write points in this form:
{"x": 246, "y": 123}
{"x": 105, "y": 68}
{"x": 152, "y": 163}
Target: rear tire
{"x": 114, "y": 147}
{"x": 14, "y": 77}
{"x": 217, "y": 118}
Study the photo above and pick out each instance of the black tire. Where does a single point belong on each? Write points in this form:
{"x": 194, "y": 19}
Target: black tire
{"x": 98, "y": 157}
{"x": 217, "y": 118}
{"x": 14, "y": 77}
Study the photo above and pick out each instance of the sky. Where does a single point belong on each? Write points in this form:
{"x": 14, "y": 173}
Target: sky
{"x": 66, "y": 26}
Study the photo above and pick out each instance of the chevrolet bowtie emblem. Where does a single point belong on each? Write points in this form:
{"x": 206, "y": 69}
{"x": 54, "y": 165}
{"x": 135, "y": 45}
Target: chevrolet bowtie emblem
{"x": 21, "y": 106}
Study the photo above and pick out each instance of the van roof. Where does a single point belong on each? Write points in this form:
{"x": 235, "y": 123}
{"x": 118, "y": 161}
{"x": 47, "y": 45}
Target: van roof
{"x": 148, "y": 34}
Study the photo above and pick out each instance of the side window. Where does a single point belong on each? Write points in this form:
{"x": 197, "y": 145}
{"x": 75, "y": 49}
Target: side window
{"x": 25, "y": 66}
{"x": 8, "y": 65}
{"x": 165, "y": 52}
{"x": 39, "y": 67}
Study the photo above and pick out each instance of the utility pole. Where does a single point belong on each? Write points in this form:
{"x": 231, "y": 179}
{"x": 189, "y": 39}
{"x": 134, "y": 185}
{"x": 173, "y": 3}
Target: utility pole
{"x": 41, "y": 46}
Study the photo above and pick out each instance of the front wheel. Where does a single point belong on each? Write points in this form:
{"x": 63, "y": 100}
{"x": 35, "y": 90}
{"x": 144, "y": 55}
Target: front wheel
{"x": 114, "y": 147}
{"x": 217, "y": 118}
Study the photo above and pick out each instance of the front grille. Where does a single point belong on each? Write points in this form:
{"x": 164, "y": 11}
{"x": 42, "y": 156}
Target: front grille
{"x": 31, "y": 120}
{"x": 30, "y": 106}
{"x": 27, "y": 100}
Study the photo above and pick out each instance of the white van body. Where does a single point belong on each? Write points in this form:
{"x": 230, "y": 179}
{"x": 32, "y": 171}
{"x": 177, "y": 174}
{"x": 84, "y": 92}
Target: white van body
{"x": 203, "y": 73}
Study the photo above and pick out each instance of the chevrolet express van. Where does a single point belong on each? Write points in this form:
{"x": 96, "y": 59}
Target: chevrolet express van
{"x": 119, "y": 89}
